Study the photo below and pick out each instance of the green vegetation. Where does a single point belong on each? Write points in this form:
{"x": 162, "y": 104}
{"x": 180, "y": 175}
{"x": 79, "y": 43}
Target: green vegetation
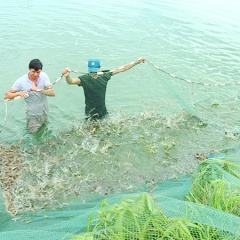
{"x": 142, "y": 219}
{"x": 215, "y": 184}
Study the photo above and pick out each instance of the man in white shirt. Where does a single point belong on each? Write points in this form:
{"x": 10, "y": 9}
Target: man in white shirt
{"x": 34, "y": 87}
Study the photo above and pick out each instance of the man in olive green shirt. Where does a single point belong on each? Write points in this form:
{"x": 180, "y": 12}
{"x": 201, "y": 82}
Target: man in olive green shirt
{"x": 94, "y": 84}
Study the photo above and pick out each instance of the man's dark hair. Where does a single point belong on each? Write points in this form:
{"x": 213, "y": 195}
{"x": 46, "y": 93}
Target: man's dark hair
{"x": 35, "y": 64}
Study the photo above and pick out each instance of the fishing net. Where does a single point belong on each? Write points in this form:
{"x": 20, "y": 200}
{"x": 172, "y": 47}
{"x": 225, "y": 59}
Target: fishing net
{"x": 100, "y": 189}
{"x": 154, "y": 174}
{"x": 161, "y": 213}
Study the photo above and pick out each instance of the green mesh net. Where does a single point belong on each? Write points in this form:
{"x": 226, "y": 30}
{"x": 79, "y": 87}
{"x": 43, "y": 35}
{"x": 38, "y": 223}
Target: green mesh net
{"x": 204, "y": 205}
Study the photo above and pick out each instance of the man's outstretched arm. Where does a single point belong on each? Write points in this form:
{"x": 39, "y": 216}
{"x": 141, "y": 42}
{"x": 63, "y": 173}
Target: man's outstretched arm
{"x": 127, "y": 66}
{"x": 69, "y": 79}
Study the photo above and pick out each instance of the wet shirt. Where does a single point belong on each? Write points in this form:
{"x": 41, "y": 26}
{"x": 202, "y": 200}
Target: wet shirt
{"x": 95, "y": 92}
{"x": 36, "y": 103}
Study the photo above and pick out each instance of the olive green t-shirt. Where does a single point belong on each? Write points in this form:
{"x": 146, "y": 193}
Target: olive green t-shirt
{"x": 95, "y": 92}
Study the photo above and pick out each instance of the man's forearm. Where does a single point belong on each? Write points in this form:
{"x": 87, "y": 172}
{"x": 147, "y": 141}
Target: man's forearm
{"x": 48, "y": 92}
{"x": 69, "y": 79}
{"x": 127, "y": 66}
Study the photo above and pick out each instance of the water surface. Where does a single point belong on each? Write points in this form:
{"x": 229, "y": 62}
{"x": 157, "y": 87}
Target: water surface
{"x": 158, "y": 124}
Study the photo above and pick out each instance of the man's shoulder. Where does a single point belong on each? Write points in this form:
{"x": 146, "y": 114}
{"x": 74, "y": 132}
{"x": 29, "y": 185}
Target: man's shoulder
{"x": 23, "y": 77}
{"x": 107, "y": 75}
{"x": 85, "y": 77}
{"x": 21, "y": 83}
{"x": 21, "y": 80}
{"x": 43, "y": 75}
